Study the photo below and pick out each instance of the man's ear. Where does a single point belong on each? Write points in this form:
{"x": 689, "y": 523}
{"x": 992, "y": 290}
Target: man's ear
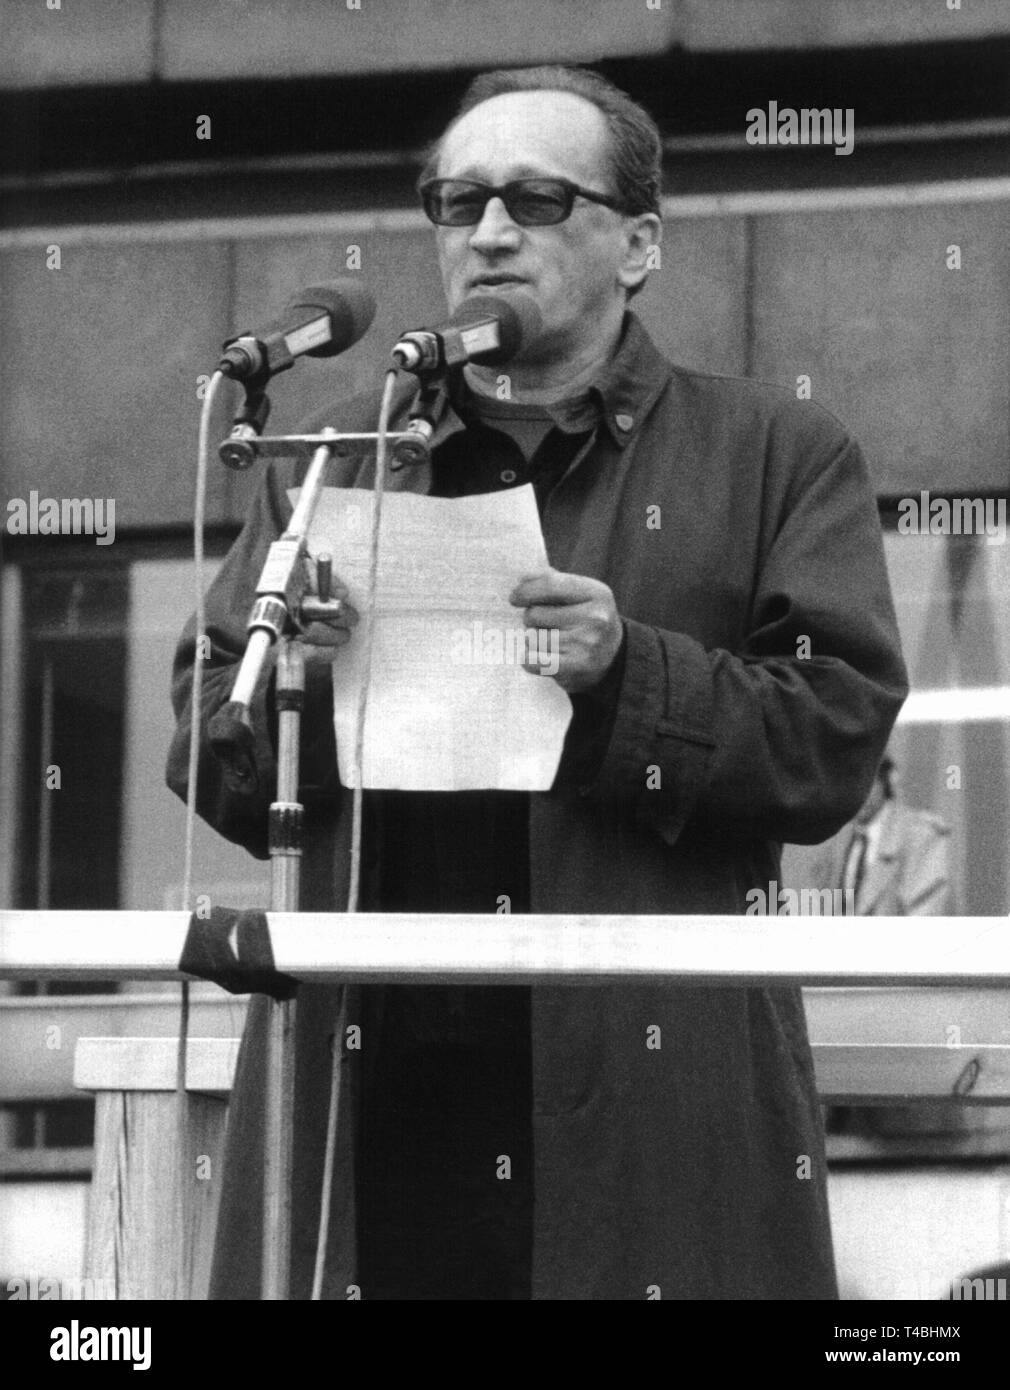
{"x": 641, "y": 233}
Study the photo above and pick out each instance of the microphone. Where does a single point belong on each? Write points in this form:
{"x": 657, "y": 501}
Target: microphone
{"x": 485, "y": 328}
{"x": 320, "y": 321}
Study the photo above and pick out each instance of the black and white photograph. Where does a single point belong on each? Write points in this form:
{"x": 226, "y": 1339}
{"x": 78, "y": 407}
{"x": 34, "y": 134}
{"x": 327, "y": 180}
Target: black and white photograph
{"x": 505, "y": 665}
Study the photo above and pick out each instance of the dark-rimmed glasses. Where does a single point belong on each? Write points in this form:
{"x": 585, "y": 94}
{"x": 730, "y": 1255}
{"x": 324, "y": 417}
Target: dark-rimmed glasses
{"x": 529, "y": 202}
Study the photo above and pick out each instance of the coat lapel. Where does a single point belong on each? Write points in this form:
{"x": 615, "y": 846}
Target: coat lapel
{"x": 880, "y": 874}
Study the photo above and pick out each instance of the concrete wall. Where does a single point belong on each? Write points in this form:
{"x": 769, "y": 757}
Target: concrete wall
{"x": 113, "y": 41}
{"x": 118, "y": 41}
{"x": 101, "y": 397}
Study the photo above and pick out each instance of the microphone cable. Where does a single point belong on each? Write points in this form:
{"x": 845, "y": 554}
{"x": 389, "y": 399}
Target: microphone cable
{"x": 353, "y": 894}
{"x": 378, "y": 491}
{"x": 183, "y": 1270}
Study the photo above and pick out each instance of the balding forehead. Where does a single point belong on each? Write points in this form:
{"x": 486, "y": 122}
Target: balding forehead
{"x": 523, "y": 133}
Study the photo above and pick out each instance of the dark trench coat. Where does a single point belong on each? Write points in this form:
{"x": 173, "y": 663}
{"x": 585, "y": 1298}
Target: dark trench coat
{"x": 681, "y": 1167}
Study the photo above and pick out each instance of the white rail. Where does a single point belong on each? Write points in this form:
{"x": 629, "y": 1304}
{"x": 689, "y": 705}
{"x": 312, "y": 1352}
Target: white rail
{"x": 468, "y": 948}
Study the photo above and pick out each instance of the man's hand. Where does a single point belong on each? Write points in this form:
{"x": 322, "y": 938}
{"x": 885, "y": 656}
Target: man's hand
{"x": 583, "y": 613}
{"x": 323, "y": 640}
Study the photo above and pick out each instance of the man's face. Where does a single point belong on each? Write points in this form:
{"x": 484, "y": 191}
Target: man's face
{"x": 572, "y": 269}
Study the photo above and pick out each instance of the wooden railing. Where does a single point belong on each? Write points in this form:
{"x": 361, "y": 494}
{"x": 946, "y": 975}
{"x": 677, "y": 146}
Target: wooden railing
{"x": 464, "y": 948}
{"x": 876, "y": 1037}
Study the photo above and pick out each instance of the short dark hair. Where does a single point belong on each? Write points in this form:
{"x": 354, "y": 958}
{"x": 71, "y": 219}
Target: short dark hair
{"x": 636, "y": 151}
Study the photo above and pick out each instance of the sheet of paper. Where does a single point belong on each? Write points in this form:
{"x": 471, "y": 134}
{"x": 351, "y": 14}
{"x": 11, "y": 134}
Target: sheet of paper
{"x": 450, "y": 707}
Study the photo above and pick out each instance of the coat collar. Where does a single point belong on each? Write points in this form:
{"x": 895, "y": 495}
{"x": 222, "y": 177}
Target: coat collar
{"x": 625, "y": 391}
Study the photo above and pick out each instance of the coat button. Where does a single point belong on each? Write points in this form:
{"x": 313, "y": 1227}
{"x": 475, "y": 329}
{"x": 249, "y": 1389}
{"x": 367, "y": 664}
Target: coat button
{"x": 624, "y": 422}
{"x": 507, "y": 475}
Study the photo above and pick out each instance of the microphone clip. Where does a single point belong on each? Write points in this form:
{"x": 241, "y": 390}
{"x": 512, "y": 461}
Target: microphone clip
{"x": 249, "y": 423}
{"x": 414, "y": 445}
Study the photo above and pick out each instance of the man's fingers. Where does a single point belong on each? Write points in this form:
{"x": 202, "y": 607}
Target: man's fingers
{"x": 332, "y": 634}
{"x": 560, "y": 617}
{"x": 552, "y": 586}
{"x": 320, "y": 635}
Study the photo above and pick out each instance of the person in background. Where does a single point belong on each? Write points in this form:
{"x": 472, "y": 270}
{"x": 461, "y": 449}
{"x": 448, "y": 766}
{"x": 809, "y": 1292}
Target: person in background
{"x": 894, "y": 858}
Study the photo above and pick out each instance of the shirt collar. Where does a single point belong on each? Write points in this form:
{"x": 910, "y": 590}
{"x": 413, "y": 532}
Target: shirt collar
{"x": 625, "y": 390}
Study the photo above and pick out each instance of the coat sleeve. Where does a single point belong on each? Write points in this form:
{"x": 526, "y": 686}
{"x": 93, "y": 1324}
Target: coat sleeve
{"x": 779, "y": 739}
{"x": 242, "y": 816}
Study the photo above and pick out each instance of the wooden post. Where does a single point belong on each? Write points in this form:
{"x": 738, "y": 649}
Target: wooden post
{"x": 132, "y": 1216}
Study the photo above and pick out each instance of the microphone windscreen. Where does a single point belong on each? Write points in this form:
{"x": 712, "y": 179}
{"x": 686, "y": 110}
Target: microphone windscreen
{"x": 518, "y": 321}
{"x": 351, "y": 309}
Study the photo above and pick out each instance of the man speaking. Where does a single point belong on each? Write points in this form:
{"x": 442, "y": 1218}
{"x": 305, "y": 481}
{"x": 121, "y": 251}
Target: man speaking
{"x": 734, "y": 673}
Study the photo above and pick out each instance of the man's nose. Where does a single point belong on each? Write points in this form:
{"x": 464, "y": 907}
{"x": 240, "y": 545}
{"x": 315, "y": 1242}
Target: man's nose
{"x": 495, "y": 231}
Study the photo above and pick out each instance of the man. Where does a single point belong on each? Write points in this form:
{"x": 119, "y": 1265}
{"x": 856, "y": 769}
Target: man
{"x": 699, "y": 741}
{"x": 894, "y": 860}
{"x": 892, "y": 857}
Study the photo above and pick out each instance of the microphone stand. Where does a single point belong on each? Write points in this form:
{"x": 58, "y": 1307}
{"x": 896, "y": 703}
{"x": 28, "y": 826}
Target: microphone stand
{"x": 281, "y": 608}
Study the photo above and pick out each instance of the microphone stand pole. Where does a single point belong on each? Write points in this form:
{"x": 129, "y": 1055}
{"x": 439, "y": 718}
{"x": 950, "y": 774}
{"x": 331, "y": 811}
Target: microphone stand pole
{"x": 282, "y": 603}
{"x": 279, "y": 602}
{"x": 285, "y": 884}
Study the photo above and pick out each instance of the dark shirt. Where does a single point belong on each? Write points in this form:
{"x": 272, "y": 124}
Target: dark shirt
{"x": 453, "y": 1073}
{"x": 469, "y": 851}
